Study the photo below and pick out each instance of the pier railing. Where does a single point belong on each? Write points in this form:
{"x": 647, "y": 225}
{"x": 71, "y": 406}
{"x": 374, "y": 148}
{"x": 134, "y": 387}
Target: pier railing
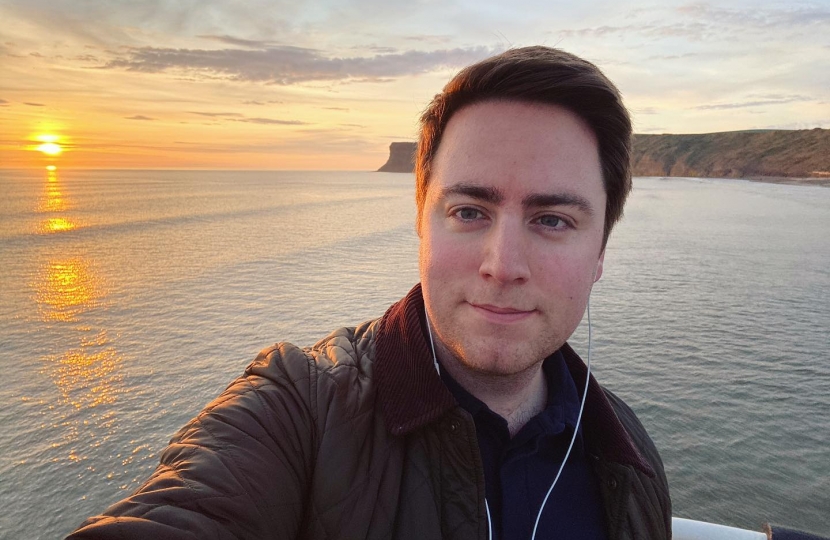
{"x": 688, "y": 529}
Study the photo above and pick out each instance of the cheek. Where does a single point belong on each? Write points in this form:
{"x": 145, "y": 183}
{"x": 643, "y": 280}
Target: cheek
{"x": 567, "y": 277}
{"x": 440, "y": 257}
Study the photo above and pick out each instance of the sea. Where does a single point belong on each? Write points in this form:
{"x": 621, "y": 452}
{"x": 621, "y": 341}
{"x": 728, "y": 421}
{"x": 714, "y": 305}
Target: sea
{"x": 130, "y": 299}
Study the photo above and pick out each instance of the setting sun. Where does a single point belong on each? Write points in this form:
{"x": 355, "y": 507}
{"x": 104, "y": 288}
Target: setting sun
{"x": 50, "y": 144}
{"x": 52, "y": 149}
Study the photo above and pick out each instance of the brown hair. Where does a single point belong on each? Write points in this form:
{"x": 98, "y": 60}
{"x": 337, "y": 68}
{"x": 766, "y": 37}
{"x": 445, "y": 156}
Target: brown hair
{"x": 538, "y": 75}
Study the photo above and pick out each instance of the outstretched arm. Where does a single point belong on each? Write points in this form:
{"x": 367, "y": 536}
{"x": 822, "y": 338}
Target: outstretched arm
{"x": 240, "y": 469}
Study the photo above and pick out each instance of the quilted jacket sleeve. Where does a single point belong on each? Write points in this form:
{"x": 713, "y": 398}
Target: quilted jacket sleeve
{"x": 240, "y": 469}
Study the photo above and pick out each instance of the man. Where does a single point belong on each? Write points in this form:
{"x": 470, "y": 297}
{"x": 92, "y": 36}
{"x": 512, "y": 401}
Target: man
{"x": 450, "y": 416}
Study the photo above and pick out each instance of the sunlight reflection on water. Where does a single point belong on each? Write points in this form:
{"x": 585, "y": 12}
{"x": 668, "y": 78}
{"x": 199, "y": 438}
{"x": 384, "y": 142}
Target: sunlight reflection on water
{"x": 84, "y": 366}
{"x": 115, "y": 333}
{"x": 65, "y": 289}
{"x": 53, "y": 201}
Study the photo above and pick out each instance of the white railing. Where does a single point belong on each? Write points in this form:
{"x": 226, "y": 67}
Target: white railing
{"x": 688, "y": 529}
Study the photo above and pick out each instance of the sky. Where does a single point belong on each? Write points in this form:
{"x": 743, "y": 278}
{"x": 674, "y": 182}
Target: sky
{"x": 324, "y": 85}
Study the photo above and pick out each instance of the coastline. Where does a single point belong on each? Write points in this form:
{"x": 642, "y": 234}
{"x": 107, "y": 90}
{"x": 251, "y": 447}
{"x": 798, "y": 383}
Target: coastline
{"x": 792, "y": 181}
{"x": 793, "y": 157}
{"x": 822, "y": 181}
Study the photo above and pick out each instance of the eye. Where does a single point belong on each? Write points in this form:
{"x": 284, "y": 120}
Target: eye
{"x": 468, "y": 213}
{"x": 552, "y": 221}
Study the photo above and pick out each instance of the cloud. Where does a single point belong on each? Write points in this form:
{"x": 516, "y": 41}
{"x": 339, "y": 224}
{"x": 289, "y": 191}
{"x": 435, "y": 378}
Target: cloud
{"x": 3, "y": 102}
{"x": 30, "y": 104}
{"x": 323, "y": 140}
{"x": 287, "y": 65}
{"x": 825, "y": 123}
{"x": 430, "y": 39}
{"x": 139, "y": 117}
{"x": 373, "y": 48}
{"x": 780, "y": 97}
{"x": 694, "y": 30}
{"x": 702, "y": 21}
{"x": 793, "y": 17}
{"x": 217, "y": 114}
{"x": 248, "y": 43}
{"x": 646, "y": 110}
{"x": 336, "y": 108}
{"x": 367, "y": 80}
{"x": 273, "y": 121}
{"x": 771, "y": 99}
{"x": 673, "y": 56}
{"x": 254, "y": 102}
{"x": 237, "y": 117}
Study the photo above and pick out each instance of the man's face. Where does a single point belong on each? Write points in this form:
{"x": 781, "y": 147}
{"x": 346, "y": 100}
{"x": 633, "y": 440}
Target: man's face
{"x": 511, "y": 233}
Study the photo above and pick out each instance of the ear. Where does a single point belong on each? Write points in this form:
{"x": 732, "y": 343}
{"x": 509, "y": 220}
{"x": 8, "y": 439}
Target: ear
{"x": 598, "y": 271}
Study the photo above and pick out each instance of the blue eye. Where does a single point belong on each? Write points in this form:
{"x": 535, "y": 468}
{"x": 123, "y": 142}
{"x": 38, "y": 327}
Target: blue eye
{"x": 551, "y": 221}
{"x": 468, "y": 214}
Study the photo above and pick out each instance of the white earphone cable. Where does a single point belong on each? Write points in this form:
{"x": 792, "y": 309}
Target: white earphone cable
{"x": 573, "y": 438}
{"x": 432, "y": 344}
{"x": 576, "y": 428}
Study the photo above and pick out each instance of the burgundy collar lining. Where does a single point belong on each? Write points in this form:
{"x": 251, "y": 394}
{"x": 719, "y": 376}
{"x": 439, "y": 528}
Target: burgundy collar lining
{"x": 602, "y": 428}
{"x": 410, "y": 391}
{"x": 412, "y": 394}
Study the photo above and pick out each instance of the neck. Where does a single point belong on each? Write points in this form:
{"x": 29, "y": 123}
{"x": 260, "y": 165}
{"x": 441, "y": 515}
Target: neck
{"x": 516, "y": 397}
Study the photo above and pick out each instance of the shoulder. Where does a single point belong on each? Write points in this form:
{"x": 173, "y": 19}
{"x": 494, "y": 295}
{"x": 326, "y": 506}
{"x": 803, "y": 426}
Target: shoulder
{"x": 636, "y": 431}
{"x": 632, "y": 425}
{"x": 348, "y": 350}
{"x": 645, "y": 445}
{"x": 652, "y": 508}
{"x": 335, "y": 371}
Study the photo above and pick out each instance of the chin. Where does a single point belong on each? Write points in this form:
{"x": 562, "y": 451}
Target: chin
{"x": 500, "y": 358}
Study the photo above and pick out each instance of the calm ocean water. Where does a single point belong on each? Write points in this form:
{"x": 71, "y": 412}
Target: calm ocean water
{"x": 128, "y": 300}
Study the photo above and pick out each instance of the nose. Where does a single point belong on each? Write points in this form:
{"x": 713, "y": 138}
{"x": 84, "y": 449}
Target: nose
{"x": 505, "y": 257}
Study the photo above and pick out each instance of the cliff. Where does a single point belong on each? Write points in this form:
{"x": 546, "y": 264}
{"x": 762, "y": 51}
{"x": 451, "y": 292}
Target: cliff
{"x": 401, "y": 158}
{"x": 764, "y": 154}
{"x": 735, "y": 154}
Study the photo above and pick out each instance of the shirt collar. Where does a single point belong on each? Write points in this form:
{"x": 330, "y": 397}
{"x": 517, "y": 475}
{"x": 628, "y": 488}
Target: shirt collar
{"x": 562, "y": 404}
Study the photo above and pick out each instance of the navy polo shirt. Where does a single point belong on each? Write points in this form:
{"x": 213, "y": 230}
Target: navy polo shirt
{"x": 519, "y": 471}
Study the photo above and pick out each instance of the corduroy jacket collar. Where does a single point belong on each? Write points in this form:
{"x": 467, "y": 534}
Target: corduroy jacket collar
{"x": 412, "y": 394}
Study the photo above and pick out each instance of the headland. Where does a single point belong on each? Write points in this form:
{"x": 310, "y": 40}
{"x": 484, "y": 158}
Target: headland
{"x": 779, "y": 156}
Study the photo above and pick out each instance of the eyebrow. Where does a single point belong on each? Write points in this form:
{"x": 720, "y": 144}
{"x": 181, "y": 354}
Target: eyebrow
{"x": 494, "y": 195}
{"x": 558, "y": 199}
{"x": 486, "y": 194}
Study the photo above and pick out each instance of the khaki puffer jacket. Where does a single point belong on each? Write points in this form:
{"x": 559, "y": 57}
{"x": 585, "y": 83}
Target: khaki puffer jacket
{"x": 358, "y": 438}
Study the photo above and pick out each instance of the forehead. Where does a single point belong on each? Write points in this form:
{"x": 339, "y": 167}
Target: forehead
{"x": 525, "y": 147}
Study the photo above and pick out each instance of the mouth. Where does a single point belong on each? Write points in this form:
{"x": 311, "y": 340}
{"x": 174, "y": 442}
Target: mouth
{"x": 502, "y": 314}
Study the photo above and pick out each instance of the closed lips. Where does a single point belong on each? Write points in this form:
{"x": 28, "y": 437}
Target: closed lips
{"x": 497, "y": 314}
{"x": 501, "y": 310}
